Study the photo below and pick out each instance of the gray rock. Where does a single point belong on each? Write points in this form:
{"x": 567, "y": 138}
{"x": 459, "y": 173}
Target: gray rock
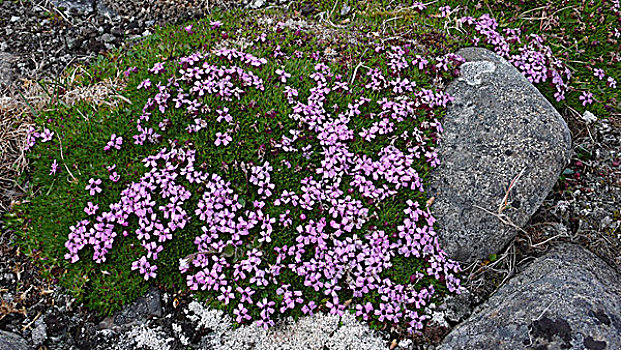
{"x": 457, "y": 307}
{"x": 145, "y": 306}
{"x": 11, "y": 341}
{"x": 255, "y": 4}
{"x": 568, "y": 298}
{"x": 107, "y": 38}
{"x": 39, "y": 333}
{"x": 345, "y": 10}
{"x": 498, "y": 127}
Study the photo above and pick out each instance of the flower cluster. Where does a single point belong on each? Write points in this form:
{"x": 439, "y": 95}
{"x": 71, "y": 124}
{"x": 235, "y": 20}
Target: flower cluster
{"x": 325, "y": 229}
{"x": 32, "y": 135}
{"x": 115, "y": 142}
{"x": 535, "y": 60}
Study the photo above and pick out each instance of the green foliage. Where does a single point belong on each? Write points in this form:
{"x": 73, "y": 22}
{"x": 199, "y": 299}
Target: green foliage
{"x": 57, "y": 201}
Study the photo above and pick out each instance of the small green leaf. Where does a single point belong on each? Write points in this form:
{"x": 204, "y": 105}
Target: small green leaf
{"x": 228, "y": 251}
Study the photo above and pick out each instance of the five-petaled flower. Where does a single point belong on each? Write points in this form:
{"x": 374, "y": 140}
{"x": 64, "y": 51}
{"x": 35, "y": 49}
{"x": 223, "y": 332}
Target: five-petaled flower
{"x": 93, "y": 186}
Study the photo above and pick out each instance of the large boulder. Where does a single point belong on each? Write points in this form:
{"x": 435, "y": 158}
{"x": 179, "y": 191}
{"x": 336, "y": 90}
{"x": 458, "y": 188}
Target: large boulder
{"x": 499, "y": 131}
{"x": 566, "y": 299}
{"x": 11, "y": 341}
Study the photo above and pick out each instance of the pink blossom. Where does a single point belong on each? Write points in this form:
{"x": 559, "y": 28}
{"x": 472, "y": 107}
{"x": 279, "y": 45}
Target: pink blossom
{"x": 93, "y": 186}
{"x": 54, "y": 167}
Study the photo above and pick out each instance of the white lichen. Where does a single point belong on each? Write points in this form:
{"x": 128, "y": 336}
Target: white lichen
{"x": 214, "y": 320}
{"x": 471, "y": 71}
{"x": 150, "y": 338}
{"x": 178, "y": 331}
{"x": 308, "y": 333}
{"x": 589, "y": 117}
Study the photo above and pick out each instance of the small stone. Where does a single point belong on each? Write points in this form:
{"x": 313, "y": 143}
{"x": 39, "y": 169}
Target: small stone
{"x": 6, "y": 71}
{"x": 72, "y": 43}
{"x": 14, "y": 19}
{"x": 107, "y": 38}
{"x": 39, "y": 333}
{"x": 255, "y": 4}
{"x": 457, "y": 307}
{"x": 345, "y": 10}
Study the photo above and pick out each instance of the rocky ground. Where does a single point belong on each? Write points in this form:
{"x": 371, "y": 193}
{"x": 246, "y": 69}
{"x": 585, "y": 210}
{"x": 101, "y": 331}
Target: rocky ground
{"x": 42, "y": 38}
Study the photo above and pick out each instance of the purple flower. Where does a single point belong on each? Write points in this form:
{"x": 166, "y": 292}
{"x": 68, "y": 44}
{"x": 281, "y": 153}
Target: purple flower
{"x": 115, "y": 142}
{"x": 611, "y": 82}
{"x": 157, "y": 68}
{"x": 54, "y": 167}
{"x": 130, "y": 70}
{"x": 445, "y": 11}
{"x": 145, "y": 84}
{"x": 586, "y": 98}
{"x": 145, "y": 268}
{"x": 46, "y": 135}
{"x": 241, "y": 314}
{"x": 283, "y": 75}
{"x": 222, "y": 139}
{"x": 93, "y": 186}
{"x": 226, "y": 295}
{"x": 599, "y": 73}
{"x": 418, "y": 6}
{"x": 91, "y": 208}
{"x": 114, "y": 177}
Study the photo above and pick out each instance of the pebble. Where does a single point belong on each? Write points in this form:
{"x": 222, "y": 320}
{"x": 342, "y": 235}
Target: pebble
{"x": 108, "y": 38}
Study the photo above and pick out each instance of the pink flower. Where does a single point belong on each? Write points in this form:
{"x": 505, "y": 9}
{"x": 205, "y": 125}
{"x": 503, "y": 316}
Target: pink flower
{"x": 586, "y": 98}
{"x": 115, "y": 142}
{"x": 418, "y": 6}
{"x": 130, "y": 70}
{"x": 222, "y": 139}
{"x": 93, "y": 186}
{"x": 226, "y": 294}
{"x": 445, "y": 11}
{"x": 145, "y": 268}
{"x": 145, "y": 84}
{"x": 91, "y": 209}
{"x": 46, "y": 135}
{"x": 241, "y": 313}
{"x": 283, "y": 75}
{"x": 599, "y": 73}
{"x": 54, "y": 167}
{"x": 157, "y": 68}
{"x": 611, "y": 82}
{"x": 114, "y": 177}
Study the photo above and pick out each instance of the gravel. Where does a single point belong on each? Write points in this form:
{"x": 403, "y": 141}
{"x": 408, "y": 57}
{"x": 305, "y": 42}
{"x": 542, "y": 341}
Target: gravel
{"x": 48, "y": 36}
